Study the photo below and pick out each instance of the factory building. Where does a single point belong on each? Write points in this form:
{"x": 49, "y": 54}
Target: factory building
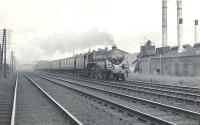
{"x": 186, "y": 63}
{"x": 168, "y": 61}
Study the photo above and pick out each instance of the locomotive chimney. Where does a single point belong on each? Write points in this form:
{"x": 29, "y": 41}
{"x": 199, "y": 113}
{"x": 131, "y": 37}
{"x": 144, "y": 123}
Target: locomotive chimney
{"x": 196, "y": 31}
{"x": 106, "y": 48}
{"x": 114, "y": 47}
{"x": 164, "y": 23}
{"x": 179, "y": 24}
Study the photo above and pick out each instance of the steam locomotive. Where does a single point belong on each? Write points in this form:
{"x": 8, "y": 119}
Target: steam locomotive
{"x": 101, "y": 64}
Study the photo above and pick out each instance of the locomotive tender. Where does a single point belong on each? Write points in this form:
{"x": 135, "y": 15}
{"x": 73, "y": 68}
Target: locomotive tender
{"x": 101, "y": 64}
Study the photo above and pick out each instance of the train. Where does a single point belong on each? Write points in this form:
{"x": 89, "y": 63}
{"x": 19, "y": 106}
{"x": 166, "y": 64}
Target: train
{"x": 103, "y": 64}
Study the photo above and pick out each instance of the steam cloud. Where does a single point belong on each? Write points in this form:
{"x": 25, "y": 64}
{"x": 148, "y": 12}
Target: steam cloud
{"x": 70, "y": 41}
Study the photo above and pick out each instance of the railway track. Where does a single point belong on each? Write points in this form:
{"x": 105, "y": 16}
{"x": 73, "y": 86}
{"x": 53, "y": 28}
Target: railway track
{"x": 32, "y": 105}
{"x": 158, "y": 89}
{"x": 165, "y": 113}
{"x": 153, "y": 85}
{"x": 89, "y": 110}
{"x": 187, "y": 100}
{"x": 185, "y": 89}
{"x": 6, "y": 99}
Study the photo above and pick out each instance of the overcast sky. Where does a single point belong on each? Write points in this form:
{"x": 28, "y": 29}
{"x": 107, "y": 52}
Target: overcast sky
{"x": 39, "y": 26}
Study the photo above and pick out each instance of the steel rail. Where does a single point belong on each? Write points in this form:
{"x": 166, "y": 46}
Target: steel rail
{"x": 13, "y": 116}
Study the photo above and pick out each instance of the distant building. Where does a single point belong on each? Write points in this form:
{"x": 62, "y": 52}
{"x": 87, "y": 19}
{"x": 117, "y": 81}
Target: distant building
{"x": 167, "y": 61}
{"x": 186, "y": 63}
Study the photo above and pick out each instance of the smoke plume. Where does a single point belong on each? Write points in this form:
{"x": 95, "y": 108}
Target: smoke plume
{"x": 71, "y": 41}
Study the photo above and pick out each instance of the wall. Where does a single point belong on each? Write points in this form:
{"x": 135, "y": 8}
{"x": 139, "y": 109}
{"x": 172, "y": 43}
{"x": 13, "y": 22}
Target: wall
{"x": 179, "y": 66}
{"x": 145, "y": 65}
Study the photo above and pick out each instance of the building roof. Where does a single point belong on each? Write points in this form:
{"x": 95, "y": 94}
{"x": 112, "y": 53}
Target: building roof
{"x": 186, "y": 52}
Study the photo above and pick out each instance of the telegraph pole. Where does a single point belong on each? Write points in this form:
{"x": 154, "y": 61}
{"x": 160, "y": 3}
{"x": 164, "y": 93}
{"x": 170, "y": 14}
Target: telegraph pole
{"x": 4, "y": 43}
{"x": 12, "y": 61}
{"x": 4, "y": 46}
{"x": 0, "y": 59}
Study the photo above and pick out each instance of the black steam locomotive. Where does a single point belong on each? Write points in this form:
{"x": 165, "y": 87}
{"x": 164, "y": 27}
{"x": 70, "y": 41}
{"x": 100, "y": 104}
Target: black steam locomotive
{"x": 101, "y": 64}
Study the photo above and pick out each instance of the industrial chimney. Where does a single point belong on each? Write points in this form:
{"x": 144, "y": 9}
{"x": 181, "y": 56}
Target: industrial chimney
{"x": 180, "y": 35}
{"x": 164, "y": 23}
{"x": 196, "y": 31}
{"x": 179, "y": 25}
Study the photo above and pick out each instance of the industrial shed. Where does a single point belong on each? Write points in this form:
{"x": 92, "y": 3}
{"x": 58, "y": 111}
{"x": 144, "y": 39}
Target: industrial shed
{"x": 186, "y": 63}
{"x": 169, "y": 60}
